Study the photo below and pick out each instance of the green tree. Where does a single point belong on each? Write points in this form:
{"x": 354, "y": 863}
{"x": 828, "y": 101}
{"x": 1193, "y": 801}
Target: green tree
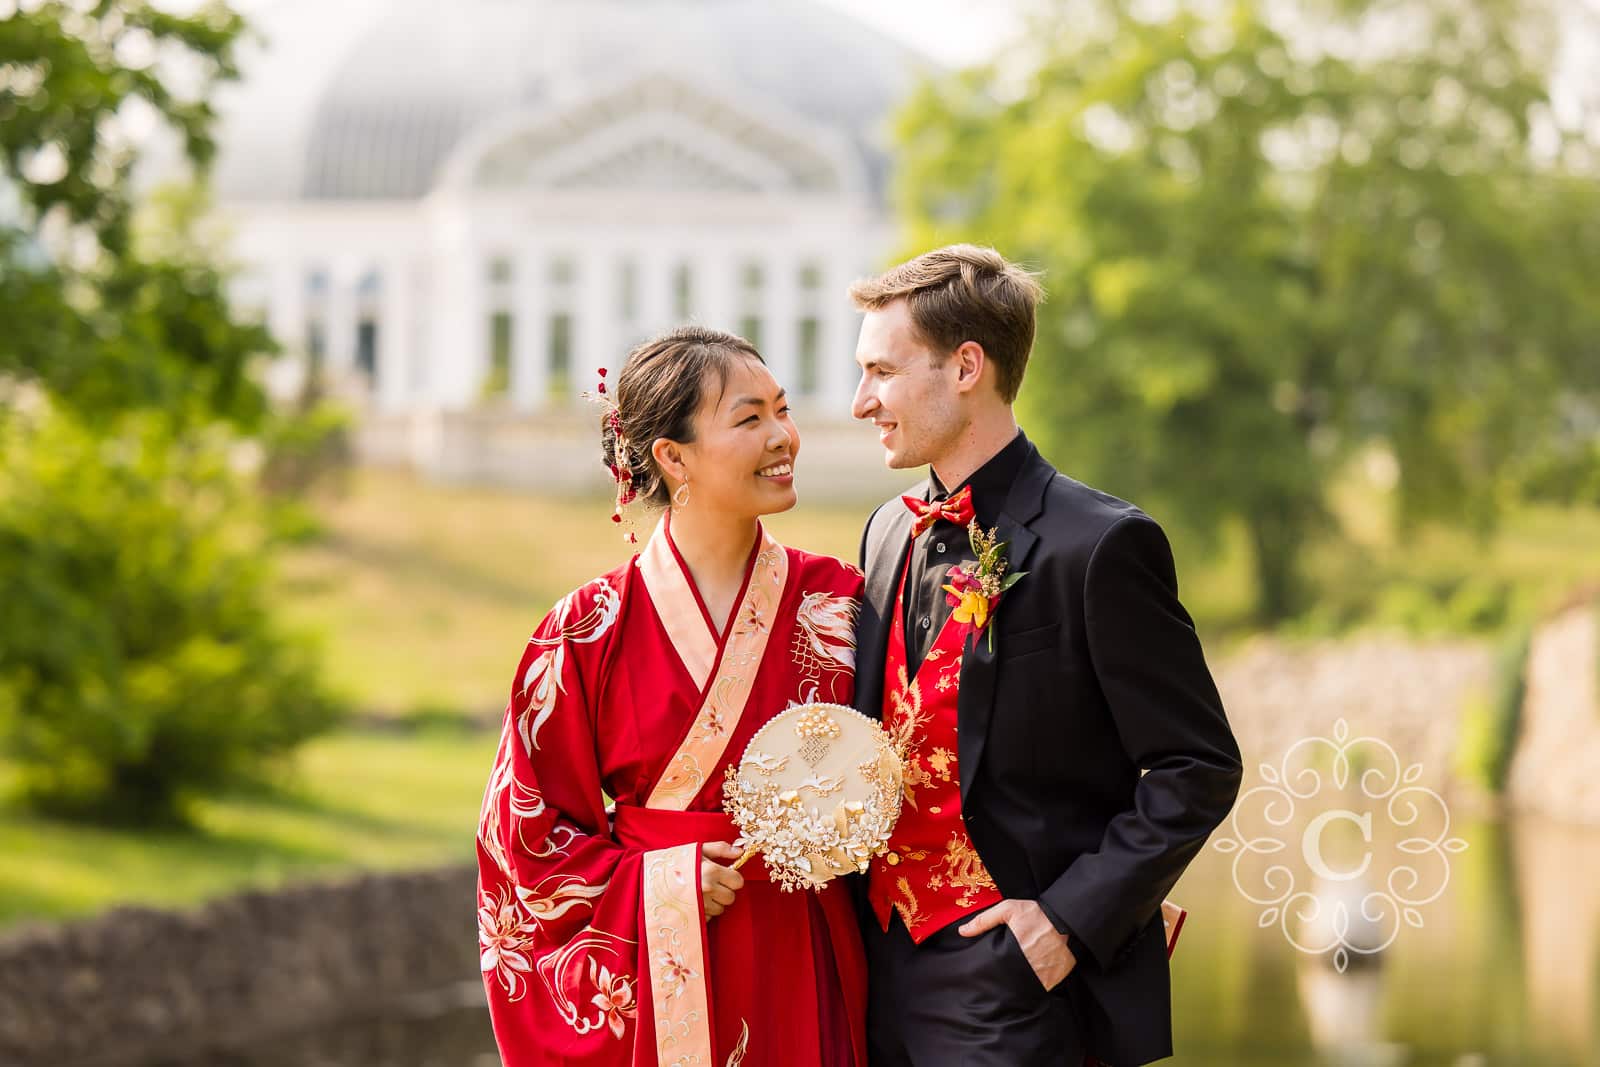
{"x": 101, "y": 324}
{"x": 1269, "y": 242}
{"x": 139, "y": 659}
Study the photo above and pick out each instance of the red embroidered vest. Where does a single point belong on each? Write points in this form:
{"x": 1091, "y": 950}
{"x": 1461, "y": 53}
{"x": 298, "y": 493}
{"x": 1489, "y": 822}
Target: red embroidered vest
{"x": 931, "y": 873}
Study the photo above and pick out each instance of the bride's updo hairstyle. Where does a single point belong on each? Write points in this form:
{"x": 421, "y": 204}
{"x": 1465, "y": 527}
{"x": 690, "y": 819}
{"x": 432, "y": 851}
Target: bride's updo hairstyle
{"x": 655, "y": 395}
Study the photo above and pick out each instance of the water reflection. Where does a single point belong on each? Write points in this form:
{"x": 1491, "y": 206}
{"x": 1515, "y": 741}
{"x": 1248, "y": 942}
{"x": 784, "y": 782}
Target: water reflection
{"x": 1501, "y": 974}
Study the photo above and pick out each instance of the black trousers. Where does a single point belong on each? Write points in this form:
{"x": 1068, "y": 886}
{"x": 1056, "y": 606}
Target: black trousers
{"x": 963, "y": 1002}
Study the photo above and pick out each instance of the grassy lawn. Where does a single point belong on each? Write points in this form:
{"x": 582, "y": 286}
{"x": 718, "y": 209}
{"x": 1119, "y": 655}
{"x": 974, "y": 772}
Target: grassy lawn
{"x": 350, "y": 801}
{"x": 425, "y": 594}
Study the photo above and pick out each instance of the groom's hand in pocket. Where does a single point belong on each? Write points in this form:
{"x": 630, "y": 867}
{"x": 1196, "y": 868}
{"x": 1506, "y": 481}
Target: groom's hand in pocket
{"x": 1044, "y": 947}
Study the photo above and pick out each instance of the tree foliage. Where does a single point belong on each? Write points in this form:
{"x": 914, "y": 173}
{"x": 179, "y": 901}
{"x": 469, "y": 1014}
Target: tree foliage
{"x": 140, "y": 663}
{"x": 101, "y": 323}
{"x": 139, "y": 659}
{"x": 1274, "y": 236}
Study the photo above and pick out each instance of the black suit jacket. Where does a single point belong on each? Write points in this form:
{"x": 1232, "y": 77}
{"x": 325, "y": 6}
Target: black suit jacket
{"x": 1095, "y": 754}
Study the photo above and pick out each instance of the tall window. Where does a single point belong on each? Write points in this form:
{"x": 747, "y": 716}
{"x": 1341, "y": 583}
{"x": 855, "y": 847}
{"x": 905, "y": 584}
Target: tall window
{"x": 752, "y": 285}
{"x": 562, "y": 275}
{"x": 368, "y": 291}
{"x": 808, "y": 350}
{"x": 497, "y": 382}
{"x": 560, "y": 349}
{"x": 316, "y": 338}
{"x": 808, "y": 354}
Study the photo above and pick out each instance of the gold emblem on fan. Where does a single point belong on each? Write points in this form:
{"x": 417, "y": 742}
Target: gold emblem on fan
{"x": 825, "y": 813}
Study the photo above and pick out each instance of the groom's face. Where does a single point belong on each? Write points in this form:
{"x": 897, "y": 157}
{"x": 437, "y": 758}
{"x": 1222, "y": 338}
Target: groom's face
{"x": 908, "y": 392}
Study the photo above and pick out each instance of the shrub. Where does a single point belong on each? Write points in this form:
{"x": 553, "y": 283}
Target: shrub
{"x": 1492, "y": 723}
{"x": 139, "y": 661}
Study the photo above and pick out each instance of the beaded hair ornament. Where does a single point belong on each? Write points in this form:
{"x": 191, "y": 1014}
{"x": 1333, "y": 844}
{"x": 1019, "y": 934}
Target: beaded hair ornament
{"x": 622, "y": 470}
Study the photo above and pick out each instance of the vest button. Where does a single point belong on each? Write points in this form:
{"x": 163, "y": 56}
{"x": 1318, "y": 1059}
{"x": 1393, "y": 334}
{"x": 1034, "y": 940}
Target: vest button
{"x": 926, "y": 622}
{"x": 939, "y": 547}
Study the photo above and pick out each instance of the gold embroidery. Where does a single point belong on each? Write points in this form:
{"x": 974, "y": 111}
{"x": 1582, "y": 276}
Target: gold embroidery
{"x": 910, "y": 911}
{"x": 940, "y": 762}
{"x": 962, "y": 869}
{"x": 736, "y": 1057}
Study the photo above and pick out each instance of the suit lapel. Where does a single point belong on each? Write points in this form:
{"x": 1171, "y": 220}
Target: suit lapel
{"x": 975, "y": 697}
{"x": 888, "y": 542}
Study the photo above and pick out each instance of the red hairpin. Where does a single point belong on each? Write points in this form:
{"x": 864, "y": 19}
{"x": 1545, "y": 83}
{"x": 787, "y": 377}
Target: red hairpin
{"x": 619, "y": 466}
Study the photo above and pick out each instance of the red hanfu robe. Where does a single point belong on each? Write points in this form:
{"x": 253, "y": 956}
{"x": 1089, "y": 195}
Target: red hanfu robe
{"x": 595, "y": 948}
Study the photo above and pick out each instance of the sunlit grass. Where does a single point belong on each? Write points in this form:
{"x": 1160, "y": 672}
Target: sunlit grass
{"x": 425, "y": 593}
{"x": 352, "y": 801}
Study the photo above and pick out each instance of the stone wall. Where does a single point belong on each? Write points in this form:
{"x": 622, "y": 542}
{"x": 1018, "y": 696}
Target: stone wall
{"x": 116, "y": 988}
{"x": 1411, "y": 694}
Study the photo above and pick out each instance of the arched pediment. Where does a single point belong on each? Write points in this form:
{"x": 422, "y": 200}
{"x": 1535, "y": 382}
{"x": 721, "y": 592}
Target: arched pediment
{"x": 659, "y": 133}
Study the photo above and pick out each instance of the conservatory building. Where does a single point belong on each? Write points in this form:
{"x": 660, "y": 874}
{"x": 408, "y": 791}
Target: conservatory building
{"x": 468, "y": 210}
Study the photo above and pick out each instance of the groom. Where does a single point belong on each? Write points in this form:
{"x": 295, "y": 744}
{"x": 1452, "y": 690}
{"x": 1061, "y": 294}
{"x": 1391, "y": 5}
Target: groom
{"x": 1066, "y": 751}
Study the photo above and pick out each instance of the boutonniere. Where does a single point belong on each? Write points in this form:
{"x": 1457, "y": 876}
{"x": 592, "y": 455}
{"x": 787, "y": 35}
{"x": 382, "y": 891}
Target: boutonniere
{"x": 975, "y": 589}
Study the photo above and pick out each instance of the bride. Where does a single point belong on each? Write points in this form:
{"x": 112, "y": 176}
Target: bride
{"x": 625, "y": 936}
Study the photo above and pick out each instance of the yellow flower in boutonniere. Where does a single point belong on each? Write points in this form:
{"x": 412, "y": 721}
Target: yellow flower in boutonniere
{"x": 975, "y": 589}
{"x": 972, "y": 607}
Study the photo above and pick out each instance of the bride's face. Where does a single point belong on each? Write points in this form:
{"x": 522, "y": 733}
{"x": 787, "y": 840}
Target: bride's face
{"x": 741, "y": 461}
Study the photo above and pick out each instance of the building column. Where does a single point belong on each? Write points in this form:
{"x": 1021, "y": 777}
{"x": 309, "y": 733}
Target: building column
{"x": 341, "y": 322}
{"x": 396, "y": 336}
{"x": 837, "y": 373}
{"x": 780, "y": 306}
{"x": 656, "y": 311}
{"x": 286, "y": 310}
{"x": 596, "y": 342}
{"x": 286, "y": 319}
{"x": 530, "y": 351}
{"x": 459, "y": 328}
{"x": 719, "y": 284}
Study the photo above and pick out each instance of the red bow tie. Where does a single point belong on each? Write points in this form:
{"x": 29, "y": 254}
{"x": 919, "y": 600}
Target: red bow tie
{"x": 956, "y": 509}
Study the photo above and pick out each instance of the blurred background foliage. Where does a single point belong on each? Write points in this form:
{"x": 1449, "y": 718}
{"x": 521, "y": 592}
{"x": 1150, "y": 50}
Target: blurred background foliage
{"x": 1279, "y": 240}
{"x": 141, "y": 661}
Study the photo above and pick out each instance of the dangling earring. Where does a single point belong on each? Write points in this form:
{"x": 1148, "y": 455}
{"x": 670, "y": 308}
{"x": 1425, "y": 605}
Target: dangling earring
{"x": 680, "y": 496}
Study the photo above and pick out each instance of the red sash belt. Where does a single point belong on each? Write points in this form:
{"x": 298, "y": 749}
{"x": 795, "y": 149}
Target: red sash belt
{"x": 650, "y": 829}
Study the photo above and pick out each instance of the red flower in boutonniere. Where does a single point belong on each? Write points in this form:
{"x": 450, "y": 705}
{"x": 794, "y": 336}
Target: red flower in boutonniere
{"x": 975, "y": 589}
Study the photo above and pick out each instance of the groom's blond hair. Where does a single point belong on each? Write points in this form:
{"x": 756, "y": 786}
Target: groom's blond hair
{"x": 964, "y": 293}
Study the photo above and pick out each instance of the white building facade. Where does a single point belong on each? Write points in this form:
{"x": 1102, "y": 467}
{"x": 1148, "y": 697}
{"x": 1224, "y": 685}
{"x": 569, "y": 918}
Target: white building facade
{"x": 470, "y": 212}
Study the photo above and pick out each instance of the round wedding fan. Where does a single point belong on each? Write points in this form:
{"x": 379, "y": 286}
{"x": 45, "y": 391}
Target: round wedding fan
{"x": 817, "y": 794}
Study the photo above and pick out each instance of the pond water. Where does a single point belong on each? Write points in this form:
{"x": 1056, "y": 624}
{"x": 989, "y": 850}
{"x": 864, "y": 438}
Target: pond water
{"x": 1502, "y": 971}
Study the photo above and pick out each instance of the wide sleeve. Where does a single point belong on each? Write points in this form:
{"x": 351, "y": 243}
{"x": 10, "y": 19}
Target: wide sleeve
{"x": 557, "y": 896}
{"x": 1164, "y": 704}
